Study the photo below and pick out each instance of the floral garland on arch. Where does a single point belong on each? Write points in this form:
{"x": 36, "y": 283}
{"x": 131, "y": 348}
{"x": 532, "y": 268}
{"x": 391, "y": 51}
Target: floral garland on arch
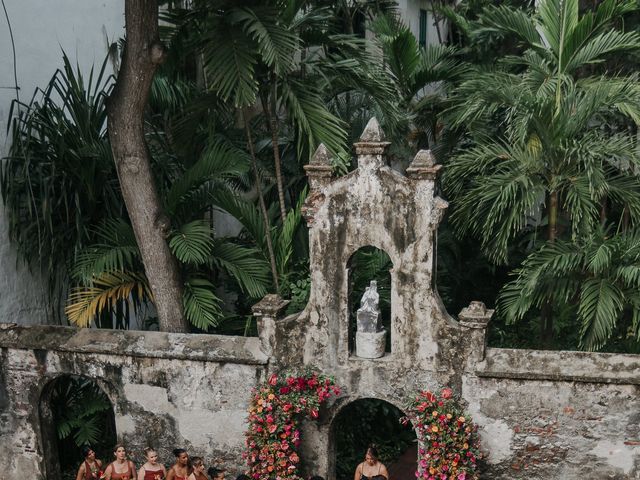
{"x": 275, "y": 412}
{"x": 449, "y": 447}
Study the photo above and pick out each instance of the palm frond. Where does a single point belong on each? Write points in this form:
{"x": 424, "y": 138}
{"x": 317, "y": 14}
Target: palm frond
{"x": 193, "y": 242}
{"x": 201, "y": 305}
{"x": 109, "y": 288}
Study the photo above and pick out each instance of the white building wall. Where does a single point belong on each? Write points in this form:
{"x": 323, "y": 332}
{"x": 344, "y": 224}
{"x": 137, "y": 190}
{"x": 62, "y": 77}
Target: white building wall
{"x": 410, "y": 12}
{"x": 41, "y": 30}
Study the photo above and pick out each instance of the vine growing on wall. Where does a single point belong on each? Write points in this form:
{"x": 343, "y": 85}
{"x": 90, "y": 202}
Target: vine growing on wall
{"x": 449, "y": 447}
{"x": 275, "y": 413}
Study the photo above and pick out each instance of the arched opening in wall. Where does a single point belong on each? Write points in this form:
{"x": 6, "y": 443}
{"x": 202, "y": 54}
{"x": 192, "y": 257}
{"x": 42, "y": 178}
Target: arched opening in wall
{"x": 366, "y": 265}
{"x": 74, "y": 412}
{"x": 372, "y": 421}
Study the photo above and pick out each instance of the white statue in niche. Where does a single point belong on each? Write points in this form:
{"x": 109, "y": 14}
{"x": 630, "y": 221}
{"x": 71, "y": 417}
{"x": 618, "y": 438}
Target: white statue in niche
{"x": 370, "y": 299}
{"x": 370, "y": 336}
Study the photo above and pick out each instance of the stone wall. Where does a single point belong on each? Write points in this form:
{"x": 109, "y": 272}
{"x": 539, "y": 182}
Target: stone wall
{"x": 542, "y": 415}
{"x": 167, "y": 390}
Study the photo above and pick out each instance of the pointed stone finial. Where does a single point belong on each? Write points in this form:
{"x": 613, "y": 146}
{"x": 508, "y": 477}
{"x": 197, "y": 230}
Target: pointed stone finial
{"x": 423, "y": 166}
{"x": 372, "y": 132}
{"x": 319, "y": 169}
{"x": 371, "y": 146}
{"x": 476, "y": 315}
{"x": 321, "y": 156}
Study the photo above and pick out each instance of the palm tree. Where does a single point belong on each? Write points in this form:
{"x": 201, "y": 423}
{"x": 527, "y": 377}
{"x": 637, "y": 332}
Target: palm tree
{"x": 58, "y": 179}
{"x": 544, "y": 152}
{"x": 600, "y": 275}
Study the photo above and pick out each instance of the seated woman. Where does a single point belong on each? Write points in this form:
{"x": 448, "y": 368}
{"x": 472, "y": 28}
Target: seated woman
{"x": 198, "y": 469}
{"x": 91, "y": 468}
{"x": 371, "y": 468}
{"x": 121, "y": 468}
{"x": 152, "y": 470}
{"x": 181, "y": 469}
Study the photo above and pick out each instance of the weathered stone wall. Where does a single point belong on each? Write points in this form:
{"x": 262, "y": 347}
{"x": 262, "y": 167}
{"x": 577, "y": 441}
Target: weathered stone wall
{"x": 542, "y": 415}
{"x": 167, "y": 390}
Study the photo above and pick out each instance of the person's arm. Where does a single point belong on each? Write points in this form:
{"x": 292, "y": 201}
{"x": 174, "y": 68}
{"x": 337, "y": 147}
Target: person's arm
{"x": 191, "y": 477}
{"x": 80, "y": 471}
{"x": 107, "y": 472}
{"x": 171, "y": 474}
{"x": 358, "y": 474}
{"x": 132, "y": 467}
{"x": 141, "y": 473}
{"x": 383, "y": 471}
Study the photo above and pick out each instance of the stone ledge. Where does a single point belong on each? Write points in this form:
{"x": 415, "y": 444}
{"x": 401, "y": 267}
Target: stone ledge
{"x": 564, "y": 366}
{"x": 133, "y": 343}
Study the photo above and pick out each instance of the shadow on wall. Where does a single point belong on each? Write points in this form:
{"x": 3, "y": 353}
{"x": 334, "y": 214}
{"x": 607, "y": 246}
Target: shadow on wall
{"x": 74, "y": 412}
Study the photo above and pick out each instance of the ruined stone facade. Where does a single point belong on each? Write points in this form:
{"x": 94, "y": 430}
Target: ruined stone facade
{"x": 542, "y": 415}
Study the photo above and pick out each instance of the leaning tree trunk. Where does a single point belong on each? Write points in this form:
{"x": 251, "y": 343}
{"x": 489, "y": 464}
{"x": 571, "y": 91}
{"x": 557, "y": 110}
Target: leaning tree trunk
{"x": 142, "y": 55}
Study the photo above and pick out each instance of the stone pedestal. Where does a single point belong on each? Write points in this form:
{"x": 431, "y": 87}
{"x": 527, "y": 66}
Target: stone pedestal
{"x": 370, "y": 344}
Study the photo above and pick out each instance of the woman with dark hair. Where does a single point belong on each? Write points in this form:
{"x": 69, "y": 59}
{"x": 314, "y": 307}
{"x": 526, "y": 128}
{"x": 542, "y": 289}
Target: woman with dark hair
{"x": 216, "y": 473}
{"x": 181, "y": 469}
{"x": 152, "y": 470}
{"x": 198, "y": 469}
{"x": 121, "y": 468}
{"x": 371, "y": 468}
{"x": 91, "y": 468}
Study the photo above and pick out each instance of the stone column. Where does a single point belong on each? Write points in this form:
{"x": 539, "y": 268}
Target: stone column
{"x": 267, "y": 312}
{"x": 474, "y": 320}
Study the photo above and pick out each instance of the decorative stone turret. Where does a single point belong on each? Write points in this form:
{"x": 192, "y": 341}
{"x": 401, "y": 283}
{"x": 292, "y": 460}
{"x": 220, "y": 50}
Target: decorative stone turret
{"x": 371, "y": 147}
{"x": 267, "y": 311}
{"x": 423, "y": 166}
{"x": 319, "y": 170}
{"x": 476, "y": 318}
{"x": 370, "y": 335}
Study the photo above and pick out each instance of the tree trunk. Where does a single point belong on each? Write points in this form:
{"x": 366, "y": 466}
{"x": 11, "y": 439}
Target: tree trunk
{"x": 142, "y": 55}
{"x": 263, "y": 207}
{"x": 269, "y": 107}
{"x": 546, "y": 313}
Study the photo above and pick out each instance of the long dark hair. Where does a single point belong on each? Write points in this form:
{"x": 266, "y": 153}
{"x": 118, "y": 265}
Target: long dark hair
{"x": 373, "y": 451}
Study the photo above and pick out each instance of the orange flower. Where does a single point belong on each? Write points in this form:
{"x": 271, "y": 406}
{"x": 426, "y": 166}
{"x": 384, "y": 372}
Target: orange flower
{"x": 434, "y": 428}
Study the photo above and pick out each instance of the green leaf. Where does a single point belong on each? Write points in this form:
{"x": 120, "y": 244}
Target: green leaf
{"x": 193, "y": 242}
{"x": 201, "y": 305}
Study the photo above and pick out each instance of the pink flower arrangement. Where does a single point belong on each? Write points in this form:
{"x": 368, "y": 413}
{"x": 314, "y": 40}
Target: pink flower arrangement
{"x": 276, "y": 409}
{"x": 448, "y": 441}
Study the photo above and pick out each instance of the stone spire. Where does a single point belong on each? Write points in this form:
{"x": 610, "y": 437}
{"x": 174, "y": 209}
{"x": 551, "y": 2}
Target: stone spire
{"x": 423, "y": 166}
{"x": 372, "y": 146}
{"x": 319, "y": 169}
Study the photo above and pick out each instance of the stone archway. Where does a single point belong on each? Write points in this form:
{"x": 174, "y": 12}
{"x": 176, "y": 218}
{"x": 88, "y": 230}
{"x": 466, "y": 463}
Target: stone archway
{"x": 371, "y": 420}
{"x": 61, "y": 399}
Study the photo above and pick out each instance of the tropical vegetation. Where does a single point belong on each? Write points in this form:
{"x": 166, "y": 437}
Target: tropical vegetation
{"x": 530, "y": 109}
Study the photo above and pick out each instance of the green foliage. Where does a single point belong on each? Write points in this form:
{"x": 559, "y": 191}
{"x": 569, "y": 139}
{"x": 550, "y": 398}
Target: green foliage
{"x": 193, "y": 242}
{"x": 598, "y": 276}
{"x": 547, "y": 154}
{"x": 82, "y": 412}
{"x": 58, "y": 179}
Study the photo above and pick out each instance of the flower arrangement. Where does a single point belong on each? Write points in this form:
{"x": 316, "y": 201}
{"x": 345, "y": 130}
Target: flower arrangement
{"x": 276, "y": 409}
{"x": 448, "y": 439}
